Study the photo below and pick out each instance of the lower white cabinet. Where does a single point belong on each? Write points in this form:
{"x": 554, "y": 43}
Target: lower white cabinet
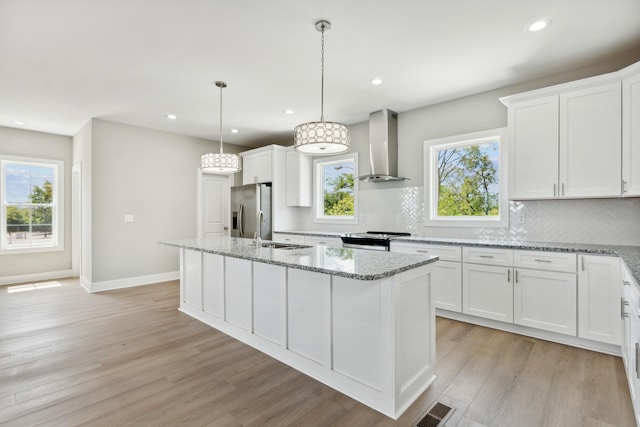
{"x": 323, "y": 240}
{"x": 545, "y": 300}
{"x": 288, "y": 238}
{"x": 630, "y": 315}
{"x": 599, "y": 299}
{"x": 487, "y": 291}
{"x": 446, "y": 276}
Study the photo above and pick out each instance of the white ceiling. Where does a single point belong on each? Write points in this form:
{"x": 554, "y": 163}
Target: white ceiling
{"x": 63, "y": 62}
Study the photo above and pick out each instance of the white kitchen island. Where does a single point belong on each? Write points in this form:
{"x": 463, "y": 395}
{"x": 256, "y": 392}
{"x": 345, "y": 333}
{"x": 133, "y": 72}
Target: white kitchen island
{"x": 360, "y": 321}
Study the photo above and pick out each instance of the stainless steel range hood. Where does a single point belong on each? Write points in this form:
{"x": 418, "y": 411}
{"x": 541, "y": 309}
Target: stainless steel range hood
{"x": 383, "y": 147}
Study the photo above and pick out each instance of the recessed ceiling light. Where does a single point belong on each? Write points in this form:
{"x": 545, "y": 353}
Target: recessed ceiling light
{"x": 288, "y": 111}
{"x": 18, "y": 123}
{"x": 171, "y": 116}
{"x": 539, "y": 25}
{"x": 235, "y": 131}
{"x": 377, "y": 81}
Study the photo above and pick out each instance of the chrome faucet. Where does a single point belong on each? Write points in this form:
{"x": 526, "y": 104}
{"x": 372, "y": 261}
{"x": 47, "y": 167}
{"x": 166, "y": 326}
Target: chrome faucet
{"x": 259, "y": 228}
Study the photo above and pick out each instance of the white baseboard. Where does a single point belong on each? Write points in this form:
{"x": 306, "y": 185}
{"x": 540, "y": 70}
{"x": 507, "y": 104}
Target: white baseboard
{"x": 129, "y": 282}
{"x": 35, "y": 277}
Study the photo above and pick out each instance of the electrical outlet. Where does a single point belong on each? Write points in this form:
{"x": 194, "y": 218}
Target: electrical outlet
{"x": 128, "y": 218}
{"x": 361, "y": 217}
{"x": 522, "y": 218}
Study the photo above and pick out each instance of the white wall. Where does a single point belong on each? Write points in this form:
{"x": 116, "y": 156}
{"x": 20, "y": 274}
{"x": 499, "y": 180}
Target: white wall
{"x": 399, "y": 206}
{"x": 153, "y": 176}
{"x": 22, "y": 267}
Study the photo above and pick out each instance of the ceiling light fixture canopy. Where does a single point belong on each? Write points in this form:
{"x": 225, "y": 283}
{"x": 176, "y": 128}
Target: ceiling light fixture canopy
{"x": 321, "y": 137}
{"x": 221, "y": 162}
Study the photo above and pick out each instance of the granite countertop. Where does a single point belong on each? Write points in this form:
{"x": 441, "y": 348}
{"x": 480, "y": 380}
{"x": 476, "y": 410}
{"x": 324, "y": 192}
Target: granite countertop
{"x": 352, "y": 263}
{"x": 629, "y": 254}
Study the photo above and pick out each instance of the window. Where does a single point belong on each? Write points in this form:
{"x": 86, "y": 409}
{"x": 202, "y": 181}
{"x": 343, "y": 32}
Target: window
{"x": 465, "y": 185}
{"x": 31, "y": 202}
{"x": 336, "y": 189}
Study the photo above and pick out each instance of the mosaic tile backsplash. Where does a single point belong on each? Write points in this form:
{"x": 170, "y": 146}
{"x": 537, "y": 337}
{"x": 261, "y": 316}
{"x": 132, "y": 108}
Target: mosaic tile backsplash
{"x": 603, "y": 221}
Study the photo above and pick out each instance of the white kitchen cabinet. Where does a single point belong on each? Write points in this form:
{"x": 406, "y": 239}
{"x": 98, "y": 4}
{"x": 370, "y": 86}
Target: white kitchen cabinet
{"x": 599, "y": 299}
{"x": 257, "y": 165}
{"x": 545, "y": 300}
{"x": 446, "y": 277}
{"x": 590, "y": 141}
{"x": 487, "y": 291}
{"x": 566, "y": 141}
{"x": 299, "y": 178}
{"x": 323, "y": 241}
{"x": 487, "y": 256}
{"x": 533, "y": 153}
{"x": 630, "y": 314}
{"x": 631, "y": 133}
{"x": 288, "y": 238}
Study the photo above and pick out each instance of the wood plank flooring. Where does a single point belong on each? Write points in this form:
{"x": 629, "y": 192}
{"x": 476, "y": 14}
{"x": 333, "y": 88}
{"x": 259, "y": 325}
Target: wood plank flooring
{"x": 130, "y": 358}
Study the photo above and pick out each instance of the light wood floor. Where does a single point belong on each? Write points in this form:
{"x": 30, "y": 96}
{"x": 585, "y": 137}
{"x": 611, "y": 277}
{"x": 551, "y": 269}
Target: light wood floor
{"x": 130, "y": 358}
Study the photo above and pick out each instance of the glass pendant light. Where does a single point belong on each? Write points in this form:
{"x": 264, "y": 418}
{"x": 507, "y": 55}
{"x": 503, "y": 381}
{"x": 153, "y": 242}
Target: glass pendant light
{"x": 221, "y": 162}
{"x": 321, "y": 137}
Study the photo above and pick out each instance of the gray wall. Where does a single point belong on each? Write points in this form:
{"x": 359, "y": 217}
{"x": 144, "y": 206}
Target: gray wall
{"x": 153, "y": 176}
{"x": 18, "y": 142}
{"x": 400, "y": 205}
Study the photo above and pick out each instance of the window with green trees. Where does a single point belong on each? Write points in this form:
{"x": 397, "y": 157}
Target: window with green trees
{"x": 466, "y": 181}
{"x": 29, "y": 204}
{"x": 336, "y": 188}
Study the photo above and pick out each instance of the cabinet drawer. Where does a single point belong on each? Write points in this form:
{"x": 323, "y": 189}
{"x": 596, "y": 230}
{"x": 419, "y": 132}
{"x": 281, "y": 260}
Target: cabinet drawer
{"x": 444, "y": 252}
{"x": 550, "y": 261}
{"x": 288, "y": 238}
{"x": 324, "y": 241}
{"x": 488, "y": 256}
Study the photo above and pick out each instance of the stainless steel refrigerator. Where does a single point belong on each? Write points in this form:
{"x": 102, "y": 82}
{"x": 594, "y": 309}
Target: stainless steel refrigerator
{"x": 251, "y": 210}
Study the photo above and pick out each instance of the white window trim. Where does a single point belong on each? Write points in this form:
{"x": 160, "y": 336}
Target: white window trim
{"x": 431, "y": 177}
{"x": 318, "y": 200}
{"x": 58, "y": 201}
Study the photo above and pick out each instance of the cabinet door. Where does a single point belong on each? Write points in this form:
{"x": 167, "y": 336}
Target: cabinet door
{"x": 633, "y": 373}
{"x": 591, "y": 142}
{"x": 631, "y": 135}
{"x": 487, "y": 292}
{"x": 257, "y": 167}
{"x": 599, "y": 299}
{"x": 298, "y": 179}
{"x": 446, "y": 279}
{"x": 545, "y": 300}
{"x": 533, "y": 150}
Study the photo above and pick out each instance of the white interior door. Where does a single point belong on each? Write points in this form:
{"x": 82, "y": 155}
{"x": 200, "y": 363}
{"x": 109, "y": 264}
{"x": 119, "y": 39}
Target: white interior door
{"x": 213, "y": 205}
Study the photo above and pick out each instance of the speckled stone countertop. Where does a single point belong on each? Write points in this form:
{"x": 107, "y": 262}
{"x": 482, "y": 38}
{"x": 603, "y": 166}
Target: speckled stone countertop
{"x": 629, "y": 254}
{"x": 352, "y": 263}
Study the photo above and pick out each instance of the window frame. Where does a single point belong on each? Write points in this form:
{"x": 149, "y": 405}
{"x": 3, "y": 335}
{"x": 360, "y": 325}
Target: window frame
{"x": 57, "y": 205}
{"x": 318, "y": 193}
{"x": 431, "y": 218}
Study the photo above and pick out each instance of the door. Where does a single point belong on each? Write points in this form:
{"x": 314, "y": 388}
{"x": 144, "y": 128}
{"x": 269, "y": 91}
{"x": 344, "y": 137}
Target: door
{"x": 487, "y": 292}
{"x": 213, "y": 209}
{"x": 591, "y": 142}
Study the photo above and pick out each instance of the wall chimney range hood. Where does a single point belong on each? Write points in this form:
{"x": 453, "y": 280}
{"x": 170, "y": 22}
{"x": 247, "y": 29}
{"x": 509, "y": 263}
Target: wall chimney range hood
{"x": 383, "y": 147}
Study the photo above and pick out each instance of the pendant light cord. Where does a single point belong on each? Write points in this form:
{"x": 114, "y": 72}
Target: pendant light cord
{"x": 220, "y": 86}
{"x": 322, "y": 77}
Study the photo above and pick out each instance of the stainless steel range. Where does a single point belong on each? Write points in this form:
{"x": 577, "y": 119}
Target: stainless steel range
{"x": 372, "y": 240}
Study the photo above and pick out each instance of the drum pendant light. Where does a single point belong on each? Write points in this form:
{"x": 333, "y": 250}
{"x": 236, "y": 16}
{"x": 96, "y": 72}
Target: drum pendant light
{"x": 221, "y": 162}
{"x": 321, "y": 138}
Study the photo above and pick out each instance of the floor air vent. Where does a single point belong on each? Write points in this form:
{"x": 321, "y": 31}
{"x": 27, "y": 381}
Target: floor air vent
{"x": 436, "y": 416}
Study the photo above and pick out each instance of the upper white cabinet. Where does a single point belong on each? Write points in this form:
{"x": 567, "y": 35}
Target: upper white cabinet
{"x": 566, "y": 144}
{"x": 533, "y": 154}
{"x": 257, "y": 165}
{"x": 298, "y": 178}
{"x": 590, "y": 142}
{"x": 631, "y": 133}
